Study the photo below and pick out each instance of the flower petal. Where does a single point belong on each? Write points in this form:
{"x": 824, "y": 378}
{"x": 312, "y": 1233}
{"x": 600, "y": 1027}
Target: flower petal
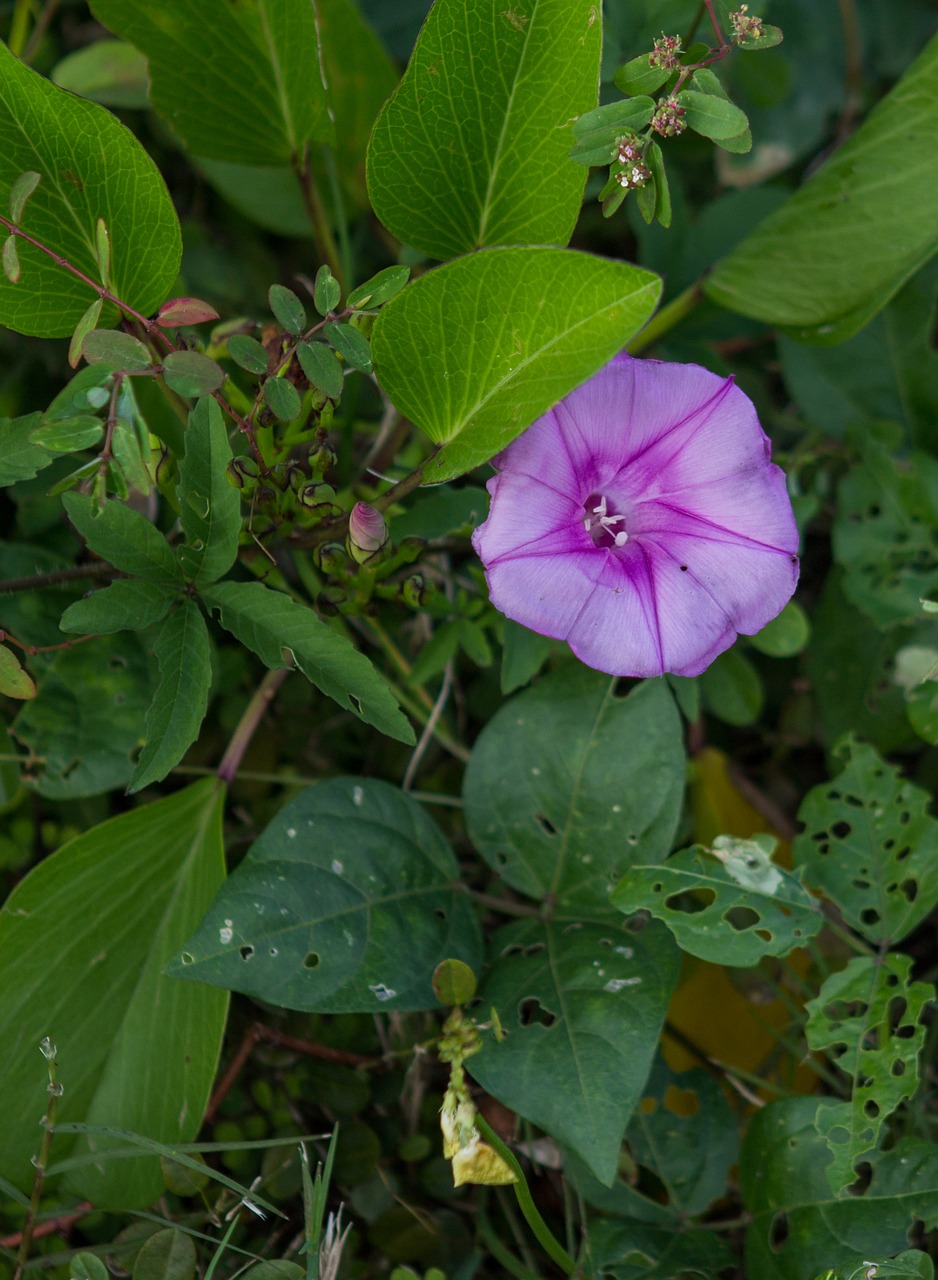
{"x": 617, "y": 628}
{"x": 527, "y": 517}
{"x": 547, "y": 592}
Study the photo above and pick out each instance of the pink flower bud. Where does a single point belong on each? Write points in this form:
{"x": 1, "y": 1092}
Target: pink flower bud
{"x": 367, "y": 532}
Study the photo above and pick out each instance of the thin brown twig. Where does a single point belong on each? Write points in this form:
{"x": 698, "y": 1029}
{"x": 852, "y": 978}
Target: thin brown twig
{"x": 39, "y": 581}
{"x": 60, "y": 1225}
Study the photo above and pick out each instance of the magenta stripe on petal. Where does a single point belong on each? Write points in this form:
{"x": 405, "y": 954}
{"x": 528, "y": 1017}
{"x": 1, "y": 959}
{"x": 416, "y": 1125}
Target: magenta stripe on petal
{"x": 642, "y": 520}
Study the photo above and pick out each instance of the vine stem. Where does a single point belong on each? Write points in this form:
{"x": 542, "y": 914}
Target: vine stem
{"x": 319, "y": 221}
{"x": 545, "y": 1238}
{"x": 247, "y": 726}
{"x": 669, "y": 316}
{"x": 48, "y": 1051}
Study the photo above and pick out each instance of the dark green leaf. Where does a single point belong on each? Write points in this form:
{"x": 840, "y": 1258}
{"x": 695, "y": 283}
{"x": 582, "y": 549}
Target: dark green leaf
{"x": 922, "y": 708}
{"x": 282, "y": 399}
{"x": 662, "y": 190}
{"x": 127, "y": 455}
{"x": 347, "y": 902}
{"x": 262, "y": 62}
{"x": 124, "y": 537}
{"x": 730, "y": 903}
{"x": 20, "y": 457}
{"x": 321, "y": 367}
{"x": 112, "y": 906}
{"x": 210, "y": 508}
{"x": 869, "y": 843}
{"x": 910, "y": 1265}
{"x": 380, "y": 288}
{"x": 523, "y": 655}
{"x": 107, "y": 71}
{"x": 288, "y": 309}
{"x": 248, "y": 353}
{"x": 867, "y": 1018}
{"x": 327, "y": 293}
{"x": 639, "y": 76}
{"x": 167, "y": 1255}
{"x": 491, "y": 91}
{"x": 91, "y": 168}
{"x": 351, "y": 344}
{"x": 711, "y": 116}
{"x": 582, "y": 1005}
{"x": 190, "y": 374}
{"x": 68, "y": 435}
{"x": 842, "y": 245}
{"x": 785, "y": 635}
{"x": 561, "y": 821}
{"x": 637, "y": 1251}
{"x": 126, "y": 605}
{"x": 180, "y": 700}
{"x": 285, "y": 634}
{"x": 440, "y": 512}
{"x": 731, "y": 689}
{"x": 542, "y": 321}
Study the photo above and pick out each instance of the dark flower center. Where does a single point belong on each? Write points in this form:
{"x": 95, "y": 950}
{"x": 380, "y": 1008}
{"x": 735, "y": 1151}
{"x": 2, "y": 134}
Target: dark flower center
{"x": 603, "y": 525}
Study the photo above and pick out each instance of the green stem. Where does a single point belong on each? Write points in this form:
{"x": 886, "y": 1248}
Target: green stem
{"x": 335, "y": 190}
{"x": 502, "y": 1255}
{"x": 318, "y": 218}
{"x": 19, "y": 26}
{"x": 42, "y": 1160}
{"x": 666, "y": 319}
{"x": 552, "y": 1247}
{"x": 847, "y": 935}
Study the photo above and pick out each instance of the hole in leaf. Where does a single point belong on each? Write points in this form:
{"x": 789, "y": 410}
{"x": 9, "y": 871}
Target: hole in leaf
{"x": 910, "y": 889}
{"x": 778, "y": 1232}
{"x": 545, "y": 824}
{"x": 356, "y": 703}
{"x": 903, "y": 853}
{"x": 246, "y": 952}
{"x": 841, "y": 830}
{"x": 869, "y": 915}
{"x": 440, "y": 913}
{"x": 691, "y": 903}
{"x": 533, "y": 949}
{"x": 863, "y": 1179}
{"x": 187, "y": 957}
{"x": 898, "y": 1068}
{"x": 854, "y": 801}
{"x": 531, "y": 1013}
{"x": 871, "y": 1108}
{"x": 740, "y": 918}
{"x": 861, "y": 884}
{"x": 764, "y": 935}
{"x": 311, "y": 960}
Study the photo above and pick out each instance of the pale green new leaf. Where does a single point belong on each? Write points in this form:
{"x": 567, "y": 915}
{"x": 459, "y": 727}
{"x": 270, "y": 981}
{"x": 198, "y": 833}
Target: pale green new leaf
{"x": 129, "y": 604}
{"x": 210, "y": 507}
{"x": 84, "y": 940}
{"x": 285, "y": 634}
{"x": 90, "y": 167}
{"x": 515, "y": 331}
{"x": 491, "y": 92}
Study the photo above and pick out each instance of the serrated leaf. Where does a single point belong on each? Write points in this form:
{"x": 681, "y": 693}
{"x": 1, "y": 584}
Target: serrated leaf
{"x": 14, "y": 681}
{"x": 869, "y": 843}
{"x": 115, "y": 350}
{"x": 91, "y": 167}
{"x": 112, "y": 905}
{"x": 542, "y": 321}
{"x": 321, "y": 367}
{"x": 248, "y": 353}
{"x": 822, "y": 266}
{"x": 381, "y": 288}
{"x": 262, "y": 61}
{"x": 20, "y": 190}
{"x": 180, "y": 700}
{"x": 126, "y": 605}
{"x": 287, "y": 308}
{"x": 710, "y": 116}
{"x": 582, "y": 1004}
{"x": 351, "y": 344}
{"x": 347, "y": 902}
{"x": 564, "y": 822}
{"x": 729, "y": 903}
{"x": 492, "y": 91}
{"x": 123, "y": 537}
{"x": 210, "y": 509}
{"x": 126, "y": 449}
{"x": 285, "y": 634}
{"x": 867, "y": 1018}
{"x": 191, "y": 374}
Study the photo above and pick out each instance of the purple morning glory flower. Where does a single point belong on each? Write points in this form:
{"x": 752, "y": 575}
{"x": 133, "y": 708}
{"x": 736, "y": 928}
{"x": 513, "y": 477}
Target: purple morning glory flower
{"x": 642, "y": 521}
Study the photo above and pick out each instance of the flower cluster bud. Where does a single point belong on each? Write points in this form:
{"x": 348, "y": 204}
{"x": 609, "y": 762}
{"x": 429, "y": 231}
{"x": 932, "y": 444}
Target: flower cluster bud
{"x": 746, "y": 27}
{"x": 629, "y": 149}
{"x": 668, "y": 119}
{"x": 367, "y": 532}
{"x": 666, "y": 53}
{"x": 636, "y": 175}
{"x": 321, "y": 457}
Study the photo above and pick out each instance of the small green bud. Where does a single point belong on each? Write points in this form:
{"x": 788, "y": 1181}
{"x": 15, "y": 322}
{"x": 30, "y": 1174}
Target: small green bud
{"x": 409, "y": 549}
{"x": 330, "y": 557}
{"x": 243, "y": 472}
{"x": 416, "y": 590}
{"x": 321, "y": 458}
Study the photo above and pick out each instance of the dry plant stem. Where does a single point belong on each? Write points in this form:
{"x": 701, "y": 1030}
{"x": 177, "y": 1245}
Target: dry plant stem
{"x": 429, "y": 728}
{"x": 33, "y": 649}
{"x": 666, "y": 319}
{"x": 247, "y": 727}
{"x": 42, "y": 1163}
{"x": 47, "y": 13}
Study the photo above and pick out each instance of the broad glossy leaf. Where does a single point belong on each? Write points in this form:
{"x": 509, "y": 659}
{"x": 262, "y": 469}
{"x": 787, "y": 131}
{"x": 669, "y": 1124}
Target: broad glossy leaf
{"x": 729, "y": 903}
{"x": 180, "y": 700}
{"x": 867, "y": 1018}
{"x": 135, "y": 1048}
{"x": 262, "y": 62}
{"x": 542, "y": 321}
{"x": 799, "y": 1227}
{"x": 582, "y": 1005}
{"x": 130, "y": 604}
{"x": 842, "y": 245}
{"x": 85, "y": 724}
{"x": 639, "y": 1251}
{"x": 285, "y": 634}
{"x": 870, "y": 844}
{"x": 912, "y": 1264}
{"x": 20, "y": 457}
{"x": 491, "y": 93}
{"x": 346, "y": 903}
{"x": 91, "y": 167}
{"x": 124, "y": 537}
{"x": 210, "y": 508}
{"x": 551, "y": 802}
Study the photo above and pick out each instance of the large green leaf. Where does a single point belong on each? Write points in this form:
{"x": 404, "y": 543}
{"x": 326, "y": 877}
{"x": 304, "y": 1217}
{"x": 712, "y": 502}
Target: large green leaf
{"x": 870, "y": 844}
{"x": 729, "y": 903}
{"x": 551, "y": 799}
{"x": 20, "y": 458}
{"x": 867, "y": 1018}
{"x": 582, "y": 1004}
{"x": 911, "y": 1264}
{"x": 798, "y": 1226}
{"x": 846, "y": 241}
{"x": 639, "y": 1251}
{"x": 123, "y": 536}
{"x": 491, "y": 93}
{"x": 180, "y": 700}
{"x": 86, "y": 722}
{"x": 84, "y": 940}
{"x": 347, "y": 902}
{"x": 514, "y": 331}
{"x": 210, "y": 507}
{"x": 261, "y": 61}
{"x": 130, "y": 604}
{"x": 285, "y": 634}
{"x": 90, "y": 167}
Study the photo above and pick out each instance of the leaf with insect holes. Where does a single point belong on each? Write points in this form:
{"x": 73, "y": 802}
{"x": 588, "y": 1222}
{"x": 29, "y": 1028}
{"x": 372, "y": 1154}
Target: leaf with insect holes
{"x": 867, "y": 1019}
{"x": 729, "y": 903}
